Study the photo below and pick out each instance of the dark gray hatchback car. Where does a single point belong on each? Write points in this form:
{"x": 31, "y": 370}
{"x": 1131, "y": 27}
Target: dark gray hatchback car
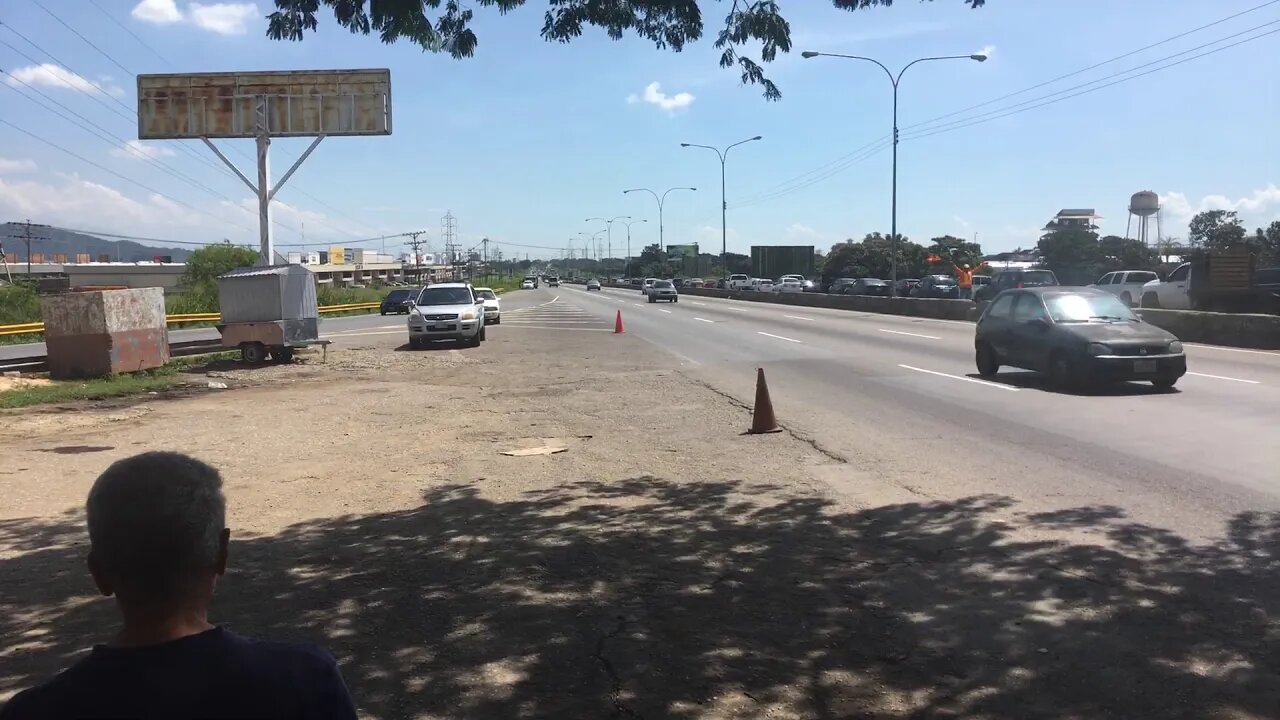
{"x": 1079, "y": 336}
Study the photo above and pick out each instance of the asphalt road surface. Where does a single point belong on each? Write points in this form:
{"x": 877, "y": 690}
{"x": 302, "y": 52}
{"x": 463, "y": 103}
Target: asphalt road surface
{"x": 900, "y": 400}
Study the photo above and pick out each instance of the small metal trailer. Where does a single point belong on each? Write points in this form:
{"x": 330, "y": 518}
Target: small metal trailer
{"x": 269, "y": 311}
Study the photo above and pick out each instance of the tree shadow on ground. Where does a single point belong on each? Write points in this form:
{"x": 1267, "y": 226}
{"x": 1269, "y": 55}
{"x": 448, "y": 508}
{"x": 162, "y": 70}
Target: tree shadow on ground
{"x": 651, "y": 598}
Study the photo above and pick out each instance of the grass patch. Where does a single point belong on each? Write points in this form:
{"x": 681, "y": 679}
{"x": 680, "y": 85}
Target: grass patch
{"x": 145, "y": 381}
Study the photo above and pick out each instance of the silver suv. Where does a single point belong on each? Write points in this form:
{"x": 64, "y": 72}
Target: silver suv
{"x": 447, "y": 311}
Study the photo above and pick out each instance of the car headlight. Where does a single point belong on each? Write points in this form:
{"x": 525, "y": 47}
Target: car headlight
{"x": 1099, "y": 349}
{"x": 468, "y": 314}
{"x": 1175, "y": 347}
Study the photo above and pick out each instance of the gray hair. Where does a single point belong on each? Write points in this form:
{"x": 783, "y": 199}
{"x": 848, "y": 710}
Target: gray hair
{"x": 155, "y": 520}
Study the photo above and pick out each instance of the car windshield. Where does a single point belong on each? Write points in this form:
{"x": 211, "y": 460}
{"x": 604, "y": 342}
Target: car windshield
{"x": 943, "y": 280}
{"x": 662, "y": 284}
{"x": 1082, "y": 307}
{"x": 486, "y": 293}
{"x": 445, "y": 296}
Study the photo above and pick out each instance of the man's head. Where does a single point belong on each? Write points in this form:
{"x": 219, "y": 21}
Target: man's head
{"x": 157, "y": 530}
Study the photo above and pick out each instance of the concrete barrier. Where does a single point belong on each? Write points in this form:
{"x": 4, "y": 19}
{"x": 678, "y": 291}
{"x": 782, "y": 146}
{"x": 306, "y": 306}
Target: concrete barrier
{"x": 1260, "y": 332}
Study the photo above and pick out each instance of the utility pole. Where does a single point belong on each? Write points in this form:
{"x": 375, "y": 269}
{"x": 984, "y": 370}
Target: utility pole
{"x": 27, "y": 237}
{"x": 485, "y": 242}
{"x": 416, "y": 245}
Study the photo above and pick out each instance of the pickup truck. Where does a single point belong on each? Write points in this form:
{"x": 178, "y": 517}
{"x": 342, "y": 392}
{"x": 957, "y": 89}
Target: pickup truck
{"x": 1219, "y": 281}
{"x": 739, "y": 282}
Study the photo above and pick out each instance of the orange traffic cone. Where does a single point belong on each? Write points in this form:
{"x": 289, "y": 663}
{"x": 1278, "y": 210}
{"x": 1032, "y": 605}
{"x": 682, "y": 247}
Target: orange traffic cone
{"x": 762, "y": 419}
{"x": 617, "y": 324}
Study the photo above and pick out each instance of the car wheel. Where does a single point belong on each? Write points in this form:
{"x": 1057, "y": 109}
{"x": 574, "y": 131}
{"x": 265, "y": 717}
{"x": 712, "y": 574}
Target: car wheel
{"x": 382, "y": 312}
{"x": 1164, "y": 382}
{"x": 986, "y": 360}
{"x": 497, "y": 320}
{"x": 1062, "y": 372}
{"x": 652, "y": 300}
{"x": 253, "y": 353}
{"x": 1151, "y": 300}
{"x": 1127, "y": 299}
{"x": 415, "y": 343}
{"x": 481, "y": 335}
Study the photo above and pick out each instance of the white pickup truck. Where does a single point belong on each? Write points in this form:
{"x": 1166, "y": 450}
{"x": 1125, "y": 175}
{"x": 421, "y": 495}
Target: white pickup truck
{"x": 739, "y": 282}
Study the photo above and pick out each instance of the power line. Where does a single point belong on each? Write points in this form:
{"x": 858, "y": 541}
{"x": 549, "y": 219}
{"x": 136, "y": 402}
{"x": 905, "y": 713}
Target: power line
{"x": 109, "y": 171}
{"x": 868, "y": 151}
{"x": 87, "y": 41}
{"x": 132, "y": 116}
{"x": 959, "y": 125}
{"x": 116, "y": 236}
{"x": 1081, "y": 71}
{"x": 141, "y": 42}
{"x": 802, "y": 180}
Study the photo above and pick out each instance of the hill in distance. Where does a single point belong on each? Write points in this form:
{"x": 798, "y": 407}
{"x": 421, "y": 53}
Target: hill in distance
{"x": 72, "y": 244}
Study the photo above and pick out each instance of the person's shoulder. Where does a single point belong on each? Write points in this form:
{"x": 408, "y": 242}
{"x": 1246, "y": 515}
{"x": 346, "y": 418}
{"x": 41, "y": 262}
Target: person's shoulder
{"x": 299, "y": 656}
{"x": 41, "y": 701}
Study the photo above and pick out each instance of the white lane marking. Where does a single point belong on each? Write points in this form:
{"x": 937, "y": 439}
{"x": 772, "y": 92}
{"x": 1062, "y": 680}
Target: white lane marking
{"x": 777, "y": 336}
{"x": 736, "y": 309}
{"x": 661, "y": 310}
{"x": 561, "y": 327}
{"x": 704, "y": 320}
{"x": 798, "y": 317}
{"x": 695, "y": 302}
{"x": 960, "y": 377}
{"x": 638, "y": 304}
{"x": 1223, "y": 377}
{"x": 1229, "y": 349}
{"x": 899, "y": 332}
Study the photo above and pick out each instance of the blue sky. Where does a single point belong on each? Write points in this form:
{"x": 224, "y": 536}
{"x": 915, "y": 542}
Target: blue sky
{"x": 528, "y": 138}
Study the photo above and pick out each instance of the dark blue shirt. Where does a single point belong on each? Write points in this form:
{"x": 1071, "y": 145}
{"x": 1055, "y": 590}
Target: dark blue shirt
{"x": 215, "y": 674}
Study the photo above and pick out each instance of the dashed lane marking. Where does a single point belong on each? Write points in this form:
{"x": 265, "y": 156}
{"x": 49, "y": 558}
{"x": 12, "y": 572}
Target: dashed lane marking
{"x": 1223, "y": 377}
{"x": 779, "y": 337}
{"x": 899, "y": 332}
{"x": 960, "y": 377}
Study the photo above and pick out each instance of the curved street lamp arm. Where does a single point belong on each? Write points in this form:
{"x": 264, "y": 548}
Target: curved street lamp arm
{"x": 886, "y": 70}
{"x": 925, "y": 59}
{"x": 708, "y": 147}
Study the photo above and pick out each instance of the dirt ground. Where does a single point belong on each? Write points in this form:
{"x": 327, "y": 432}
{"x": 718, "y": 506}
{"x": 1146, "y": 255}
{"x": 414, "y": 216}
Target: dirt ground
{"x": 662, "y": 565}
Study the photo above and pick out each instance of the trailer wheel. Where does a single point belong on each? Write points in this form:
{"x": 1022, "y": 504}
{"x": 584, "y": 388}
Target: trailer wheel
{"x": 282, "y": 354}
{"x": 253, "y": 353}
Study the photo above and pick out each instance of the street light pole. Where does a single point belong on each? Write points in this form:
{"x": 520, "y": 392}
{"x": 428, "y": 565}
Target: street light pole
{"x": 609, "y": 227}
{"x": 662, "y": 199}
{"x": 627, "y": 268}
{"x": 724, "y": 203}
{"x": 895, "y": 80}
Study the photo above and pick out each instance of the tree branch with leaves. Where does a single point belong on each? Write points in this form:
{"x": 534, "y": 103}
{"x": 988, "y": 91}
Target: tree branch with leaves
{"x": 444, "y": 26}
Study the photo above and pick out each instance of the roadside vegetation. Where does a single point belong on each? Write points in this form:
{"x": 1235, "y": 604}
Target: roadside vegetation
{"x": 145, "y": 381}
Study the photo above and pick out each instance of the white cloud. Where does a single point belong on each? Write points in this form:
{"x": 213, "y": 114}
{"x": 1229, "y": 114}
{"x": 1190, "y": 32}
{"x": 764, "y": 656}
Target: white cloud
{"x": 654, "y": 96}
{"x": 1256, "y": 209}
{"x": 220, "y": 18}
{"x": 16, "y": 166}
{"x": 73, "y": 202}
{"x": 56, "y": 76}
{"x": 161, "y": 12}
{"x": 138, "y": 150}
{"x": 223, "y": 18}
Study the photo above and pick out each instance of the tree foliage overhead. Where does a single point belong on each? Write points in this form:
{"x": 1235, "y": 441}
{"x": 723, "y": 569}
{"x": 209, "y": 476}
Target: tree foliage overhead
{"x": 1216, "y": 230}
{"x": 445, "y": 25}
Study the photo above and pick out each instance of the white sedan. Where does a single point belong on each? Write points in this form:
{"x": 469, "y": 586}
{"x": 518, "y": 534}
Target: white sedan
{"x": 526, "y": 285}
{"x": 492, "y": 306}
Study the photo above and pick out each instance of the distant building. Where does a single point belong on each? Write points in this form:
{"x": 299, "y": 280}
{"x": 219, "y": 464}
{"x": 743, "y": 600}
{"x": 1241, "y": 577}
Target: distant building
{"x": 1082, "y": 218}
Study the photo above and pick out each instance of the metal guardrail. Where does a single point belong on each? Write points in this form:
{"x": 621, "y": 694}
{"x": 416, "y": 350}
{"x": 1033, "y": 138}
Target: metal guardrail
{"x": 37, "y": 328}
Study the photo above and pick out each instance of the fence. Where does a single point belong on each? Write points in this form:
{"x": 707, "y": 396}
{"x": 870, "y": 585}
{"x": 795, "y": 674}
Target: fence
{"x": 37, "y": 328}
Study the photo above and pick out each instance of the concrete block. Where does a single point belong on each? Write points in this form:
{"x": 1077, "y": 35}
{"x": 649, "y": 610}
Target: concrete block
{"x": 91, "y": 334}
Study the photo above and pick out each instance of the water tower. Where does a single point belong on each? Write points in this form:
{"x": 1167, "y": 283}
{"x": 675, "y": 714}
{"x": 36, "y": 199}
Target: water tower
{"x": 1143, "y": 205}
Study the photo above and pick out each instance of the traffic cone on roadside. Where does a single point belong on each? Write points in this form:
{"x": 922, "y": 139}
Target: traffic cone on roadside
{"x": 762, "y": 419}
{"x": 617, "y": 324}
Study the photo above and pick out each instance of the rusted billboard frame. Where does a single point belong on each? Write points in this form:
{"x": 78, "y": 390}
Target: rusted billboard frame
{"x": 294, "y": 84}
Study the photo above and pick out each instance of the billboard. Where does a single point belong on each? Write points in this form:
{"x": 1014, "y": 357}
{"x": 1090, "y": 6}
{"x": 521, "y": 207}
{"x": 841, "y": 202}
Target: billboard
{"x": 295, "y": 103}
{"x": 336, "y": 255}
{"x": 773, "y": 261}
{"x": 683, "y": 259}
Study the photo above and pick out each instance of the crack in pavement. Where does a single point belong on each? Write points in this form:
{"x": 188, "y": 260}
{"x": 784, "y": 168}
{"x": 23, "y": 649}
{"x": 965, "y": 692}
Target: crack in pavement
{"x": 620, "y": 708}
{"x": 795, "y": 434}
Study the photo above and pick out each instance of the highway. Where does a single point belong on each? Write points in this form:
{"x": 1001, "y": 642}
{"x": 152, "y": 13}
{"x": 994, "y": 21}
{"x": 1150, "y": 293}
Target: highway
{"x": 898, "y": 401}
